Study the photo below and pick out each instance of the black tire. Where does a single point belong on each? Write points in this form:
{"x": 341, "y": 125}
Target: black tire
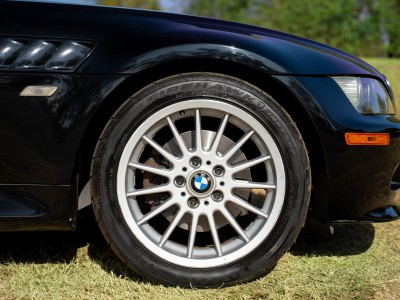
{"x": 267, "y": 200}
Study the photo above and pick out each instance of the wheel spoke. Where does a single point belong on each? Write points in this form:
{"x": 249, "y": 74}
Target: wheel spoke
{"x": 218, "y": 136}
{"x": 161, "y": 208}
{"x": 150, "y": 190}
{"x": 160, "y": 149}
{"x": 246, "y": 205}
{"x": 228, "y": 154}
{"x": 192, "y": 234}
{"x": 178, "y": 137}
{"x": 158, "y": 171}
{"x": 172, "y": 227}
{"x": 199, "y": 142}
{"x": 234, "y": 224}
{"x": 214, "y": 233}
{"x": 250, "y": 163}
{"x": 253, "y": 185}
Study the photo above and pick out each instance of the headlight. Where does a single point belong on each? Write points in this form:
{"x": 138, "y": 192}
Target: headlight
{"x": 368, "y": 96}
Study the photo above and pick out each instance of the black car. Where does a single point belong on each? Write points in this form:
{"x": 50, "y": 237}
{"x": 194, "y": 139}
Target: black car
{"x": 202, "y": 145}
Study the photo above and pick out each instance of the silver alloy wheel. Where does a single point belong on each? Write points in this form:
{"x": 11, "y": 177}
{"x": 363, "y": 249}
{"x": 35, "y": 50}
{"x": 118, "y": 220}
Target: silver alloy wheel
{"x": 201, "y": 183}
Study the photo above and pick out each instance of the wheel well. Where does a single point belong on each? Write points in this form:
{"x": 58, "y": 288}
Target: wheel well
{"x": 319, "y": 199}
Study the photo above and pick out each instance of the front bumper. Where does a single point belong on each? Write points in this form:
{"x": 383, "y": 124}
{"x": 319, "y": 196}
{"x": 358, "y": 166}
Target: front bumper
{"x": 361, "y": 179}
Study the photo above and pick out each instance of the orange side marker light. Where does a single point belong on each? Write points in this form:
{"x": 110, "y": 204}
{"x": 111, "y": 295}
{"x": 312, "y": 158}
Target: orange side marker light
{"x": 367, "y": 139}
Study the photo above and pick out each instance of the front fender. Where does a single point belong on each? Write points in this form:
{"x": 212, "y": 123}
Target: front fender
{"x": 202, "y": 51}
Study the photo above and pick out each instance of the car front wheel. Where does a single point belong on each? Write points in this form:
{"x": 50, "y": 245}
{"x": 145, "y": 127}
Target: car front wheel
{"x": 200, "y": 180}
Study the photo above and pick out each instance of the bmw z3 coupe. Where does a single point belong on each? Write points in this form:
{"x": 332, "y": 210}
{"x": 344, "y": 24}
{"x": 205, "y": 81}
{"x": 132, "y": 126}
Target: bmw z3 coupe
{"x": 202, "y": 145}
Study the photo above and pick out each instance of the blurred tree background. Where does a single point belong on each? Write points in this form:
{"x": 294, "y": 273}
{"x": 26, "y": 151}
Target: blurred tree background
{"x": 361, "y": 27}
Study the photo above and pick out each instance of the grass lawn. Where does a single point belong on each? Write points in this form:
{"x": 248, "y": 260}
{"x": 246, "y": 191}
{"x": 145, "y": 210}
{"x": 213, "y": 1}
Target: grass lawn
{"x": 390, "y": 67}
{"x": 358, "y": 262}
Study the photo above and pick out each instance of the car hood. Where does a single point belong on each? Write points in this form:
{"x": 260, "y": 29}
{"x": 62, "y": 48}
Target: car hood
{"x": 129, "y": 40}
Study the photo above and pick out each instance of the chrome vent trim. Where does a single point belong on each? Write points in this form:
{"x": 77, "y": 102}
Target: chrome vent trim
{"x": 19, "y": 54}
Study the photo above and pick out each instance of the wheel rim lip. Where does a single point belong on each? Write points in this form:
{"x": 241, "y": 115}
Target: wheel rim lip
{"x": 269, "y": 224}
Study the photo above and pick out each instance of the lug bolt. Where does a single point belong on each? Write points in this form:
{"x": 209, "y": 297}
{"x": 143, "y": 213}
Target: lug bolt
{"x": 195, "y": 162}
{"x": 217, "y": 195}
{"x": 179, "y": 181}
{"x": 218, "y": 171}
{"x": 193, "y": 202}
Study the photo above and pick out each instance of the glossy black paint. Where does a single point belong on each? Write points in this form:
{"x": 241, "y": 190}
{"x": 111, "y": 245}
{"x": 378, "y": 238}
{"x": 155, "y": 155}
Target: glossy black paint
{"x": 131, "y": 40}
{"x": 360, "y": 177}
{"x": 36, "y": 207}
{"x": 40, "y": 143}
{"x": 41, "y": 136}
{"x": 97, "y": 57}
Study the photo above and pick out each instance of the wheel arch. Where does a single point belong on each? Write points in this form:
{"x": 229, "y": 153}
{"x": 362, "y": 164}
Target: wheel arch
{"x": 319, "y": 207}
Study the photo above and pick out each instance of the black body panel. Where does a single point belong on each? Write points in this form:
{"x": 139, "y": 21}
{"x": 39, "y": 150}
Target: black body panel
{"x": 41, "y": 139}
{"x": 131, "y": 40}
{"x": 360, "y": 177}
{"x": 97, "y": 57}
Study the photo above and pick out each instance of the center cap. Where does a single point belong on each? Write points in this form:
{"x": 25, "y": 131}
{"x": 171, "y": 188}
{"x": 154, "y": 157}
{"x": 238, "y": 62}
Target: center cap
{"x": 201, "y": 182}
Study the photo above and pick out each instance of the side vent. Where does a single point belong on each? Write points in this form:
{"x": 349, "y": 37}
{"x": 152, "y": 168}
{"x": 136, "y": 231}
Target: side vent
{"x": 42, "y": 55}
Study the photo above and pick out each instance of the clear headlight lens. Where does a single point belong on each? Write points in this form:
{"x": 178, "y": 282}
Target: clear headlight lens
{"x": 368, "y": 96}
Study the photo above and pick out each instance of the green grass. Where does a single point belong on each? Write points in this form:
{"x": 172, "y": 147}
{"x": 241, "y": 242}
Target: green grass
{"x": 390, "y": 67}
{"x": 358, "y": 262}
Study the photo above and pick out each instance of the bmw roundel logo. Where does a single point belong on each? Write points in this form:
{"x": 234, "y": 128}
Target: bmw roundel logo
{"x": 201, "y": 182}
